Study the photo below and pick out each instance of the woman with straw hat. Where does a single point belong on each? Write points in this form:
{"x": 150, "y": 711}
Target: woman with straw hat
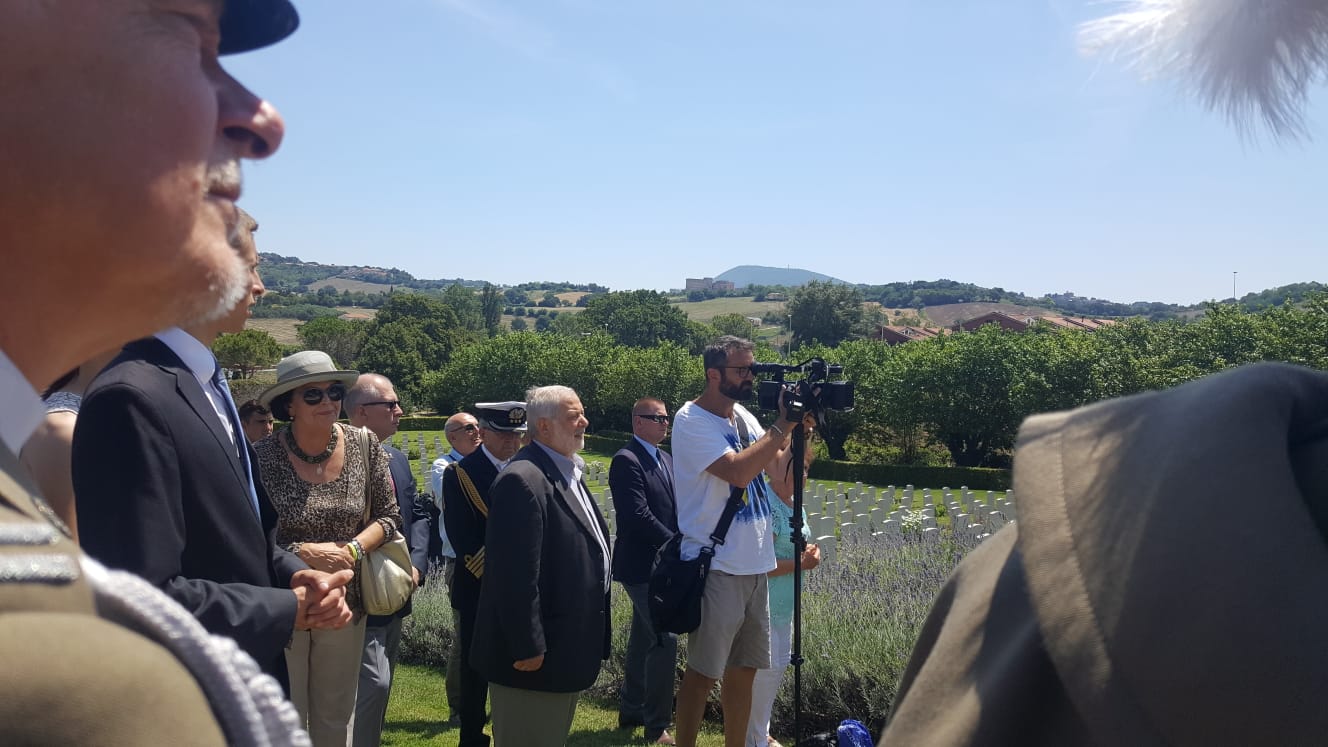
{"x": 319, "y": 480}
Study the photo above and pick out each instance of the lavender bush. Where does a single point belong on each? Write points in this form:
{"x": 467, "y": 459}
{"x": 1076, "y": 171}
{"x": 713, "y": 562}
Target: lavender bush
{"x": 861, "y": 617}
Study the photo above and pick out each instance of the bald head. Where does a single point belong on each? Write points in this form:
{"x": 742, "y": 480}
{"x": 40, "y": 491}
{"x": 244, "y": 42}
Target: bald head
{"x": 372, "y": 403}
{"x": 463, "y": 433}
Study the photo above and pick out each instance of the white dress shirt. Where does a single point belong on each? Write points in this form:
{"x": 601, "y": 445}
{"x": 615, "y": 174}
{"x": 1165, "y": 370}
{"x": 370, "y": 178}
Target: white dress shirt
{"x": 202, "y": 364}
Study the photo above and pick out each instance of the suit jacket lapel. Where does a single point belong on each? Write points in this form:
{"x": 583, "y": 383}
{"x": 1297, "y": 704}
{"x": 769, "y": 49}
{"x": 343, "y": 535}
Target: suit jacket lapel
{"x": 573, "y": 504}
{"x": 186, "y": 384}
{"x": 661, "y": 470}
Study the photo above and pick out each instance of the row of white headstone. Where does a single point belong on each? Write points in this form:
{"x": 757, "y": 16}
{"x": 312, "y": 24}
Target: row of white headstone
{"x": 836, "y": 511}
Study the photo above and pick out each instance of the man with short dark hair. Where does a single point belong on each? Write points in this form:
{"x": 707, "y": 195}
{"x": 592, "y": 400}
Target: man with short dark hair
{"x": 466, "y": 505}
{"x": 641, "y": 482}
{"x": 719, "y": 447}
{"x": 256, "y": 421}
{"x": 372, "y": 403}
{"x": 102, "y": 214}
{"x": 542, "y": 626}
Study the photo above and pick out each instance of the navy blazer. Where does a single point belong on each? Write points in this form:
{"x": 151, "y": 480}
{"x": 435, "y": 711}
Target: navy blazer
{"x": 644, "y": 509}
{"x": 543, "y": 589}
{"x": 415, "y": 523}
{"x": 160, "y": 491}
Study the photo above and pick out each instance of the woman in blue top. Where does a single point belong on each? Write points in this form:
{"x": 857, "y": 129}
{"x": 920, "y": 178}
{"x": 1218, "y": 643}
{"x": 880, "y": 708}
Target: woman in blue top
{"x": 766, "y": 685}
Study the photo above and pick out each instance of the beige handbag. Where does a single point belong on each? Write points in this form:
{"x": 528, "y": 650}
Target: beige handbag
{"x": 384, "y": 575}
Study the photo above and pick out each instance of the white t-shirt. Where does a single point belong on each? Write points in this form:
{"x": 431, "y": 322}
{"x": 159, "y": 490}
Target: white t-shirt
{"x": 699, "y": 438}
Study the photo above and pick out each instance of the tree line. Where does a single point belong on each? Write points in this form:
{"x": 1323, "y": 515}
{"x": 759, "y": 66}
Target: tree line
{"x": 954, "y": 399}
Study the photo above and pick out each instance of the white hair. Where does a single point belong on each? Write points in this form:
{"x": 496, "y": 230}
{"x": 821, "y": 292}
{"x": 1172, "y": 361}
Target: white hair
{"x": 546, "y": 402}
{"x": 1250, "y": 59}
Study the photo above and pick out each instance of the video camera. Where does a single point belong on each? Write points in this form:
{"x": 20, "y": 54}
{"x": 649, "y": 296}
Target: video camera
{"x": 814, "y": 392}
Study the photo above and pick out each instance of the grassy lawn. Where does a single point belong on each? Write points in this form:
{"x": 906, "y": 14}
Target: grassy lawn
{"x": 417, "y": 716}
{"x": 704, "y": 311}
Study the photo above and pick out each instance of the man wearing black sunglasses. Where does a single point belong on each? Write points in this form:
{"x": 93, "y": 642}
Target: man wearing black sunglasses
{"x": 169, "y": 488}
{"x": 372, "y": 403}
{"x": 641, "y": 480}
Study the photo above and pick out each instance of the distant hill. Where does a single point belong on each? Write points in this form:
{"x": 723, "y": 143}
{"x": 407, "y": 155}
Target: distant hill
{"x": 291, "y": 274}
{"x": 745, "y": 275}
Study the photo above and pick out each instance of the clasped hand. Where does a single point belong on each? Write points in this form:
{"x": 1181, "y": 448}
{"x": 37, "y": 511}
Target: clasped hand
{"x": 321, "y": 599}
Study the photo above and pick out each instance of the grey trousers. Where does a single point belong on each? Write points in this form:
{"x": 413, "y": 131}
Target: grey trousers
{"x": 324, "y": 673}
{"x": 650, "y": 668}
{"x": 381, "y": 644}
{"x": 531, "y": 718}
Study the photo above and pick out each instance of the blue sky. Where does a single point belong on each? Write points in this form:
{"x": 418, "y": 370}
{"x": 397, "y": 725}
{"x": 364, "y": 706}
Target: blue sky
{"x": 634, "y": 143}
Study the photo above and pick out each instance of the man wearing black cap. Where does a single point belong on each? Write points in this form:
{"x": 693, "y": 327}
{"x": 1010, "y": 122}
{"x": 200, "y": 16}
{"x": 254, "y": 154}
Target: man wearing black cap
{"x": 465, "y": 514}
{"x": 119, "y": 115}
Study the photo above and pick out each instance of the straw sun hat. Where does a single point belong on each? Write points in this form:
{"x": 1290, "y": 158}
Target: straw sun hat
{"x": 302, "y": 368}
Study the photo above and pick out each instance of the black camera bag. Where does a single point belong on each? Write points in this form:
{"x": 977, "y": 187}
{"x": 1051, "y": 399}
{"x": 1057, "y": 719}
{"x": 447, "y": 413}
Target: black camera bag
{"x": 677, "y": 585}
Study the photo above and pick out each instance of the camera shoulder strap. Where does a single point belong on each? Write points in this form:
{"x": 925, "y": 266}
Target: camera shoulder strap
{"x": 737, "y": 496}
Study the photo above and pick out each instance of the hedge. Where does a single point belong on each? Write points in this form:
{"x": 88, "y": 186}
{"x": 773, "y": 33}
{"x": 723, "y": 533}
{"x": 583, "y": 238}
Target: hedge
{"x": 422, "y": 423}
{"x": 978, "y": 478}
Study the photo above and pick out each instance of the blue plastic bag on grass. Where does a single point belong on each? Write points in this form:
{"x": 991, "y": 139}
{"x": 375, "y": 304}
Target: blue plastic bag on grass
{"x": 851, "y": 733}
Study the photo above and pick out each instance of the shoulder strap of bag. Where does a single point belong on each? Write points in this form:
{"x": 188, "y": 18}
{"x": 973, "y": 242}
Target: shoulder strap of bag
{"x": 472, "y": 493}
{"x": 737, "y": 496}
{"x": 362, "y": 436}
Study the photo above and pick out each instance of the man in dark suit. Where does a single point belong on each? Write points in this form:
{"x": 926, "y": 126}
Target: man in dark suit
{"x": 465, "y": 486}
{"x": 372, "y": 403}
{"x": 542, "y": 627}
{"x": 163, "y": 479}
{"x": 641, "y": 481}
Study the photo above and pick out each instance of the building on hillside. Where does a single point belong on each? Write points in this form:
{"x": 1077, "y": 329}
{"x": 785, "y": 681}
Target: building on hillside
{"x": 897, "y": 334}
{"x": 708, "y": 284}
{"x": 1022, "y": 322}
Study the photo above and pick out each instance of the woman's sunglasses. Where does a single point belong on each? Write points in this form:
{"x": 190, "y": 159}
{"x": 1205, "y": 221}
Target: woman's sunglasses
{"x": 315, "y": 395}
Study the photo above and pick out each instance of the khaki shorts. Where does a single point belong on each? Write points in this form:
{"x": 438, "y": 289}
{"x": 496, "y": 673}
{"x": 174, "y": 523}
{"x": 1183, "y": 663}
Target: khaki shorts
{"x": 735, "y": 625}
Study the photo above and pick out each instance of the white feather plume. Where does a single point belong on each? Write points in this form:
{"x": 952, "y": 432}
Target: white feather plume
{"x": 1250, "y": 59}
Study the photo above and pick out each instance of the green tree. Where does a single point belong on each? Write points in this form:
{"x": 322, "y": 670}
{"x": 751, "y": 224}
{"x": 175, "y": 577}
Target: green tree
{"x": 733, "y": 324}
{"x": 465, "y": 305}
{"x": 519, "y": 324}
{"x": 824, "y": 312}
{"x": 247, "y": 351}
{"x": 411, "y": 335}
{"x": 640, "y": 318}
{"x": 491, "y": 308}
{"x": 339, "y": 338}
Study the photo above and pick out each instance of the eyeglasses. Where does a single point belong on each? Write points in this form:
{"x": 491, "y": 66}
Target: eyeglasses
{"x": 661, "y": 419}
{"x": 742, "y": 370}
{"x": 392, "y": 404}
{"x": 315, "y": 395}
{"x": 468, "y": 428}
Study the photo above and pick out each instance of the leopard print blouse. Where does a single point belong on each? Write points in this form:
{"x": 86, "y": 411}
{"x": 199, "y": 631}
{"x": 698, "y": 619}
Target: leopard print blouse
{"x": 334, "y": 511}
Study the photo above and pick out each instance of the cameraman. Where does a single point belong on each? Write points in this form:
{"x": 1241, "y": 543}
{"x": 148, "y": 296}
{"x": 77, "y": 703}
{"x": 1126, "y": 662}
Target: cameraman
{"x": 719, "y": 445}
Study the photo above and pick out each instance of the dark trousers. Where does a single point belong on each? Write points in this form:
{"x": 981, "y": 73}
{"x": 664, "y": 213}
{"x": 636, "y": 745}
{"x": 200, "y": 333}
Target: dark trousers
{"x": 651, "y": 666}
{"x": 474, "y": 688}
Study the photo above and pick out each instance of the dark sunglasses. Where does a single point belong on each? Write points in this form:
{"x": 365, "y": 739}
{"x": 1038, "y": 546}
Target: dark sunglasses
{"x": 334, "y": 392}
{"x": 468, "y": 428}
{"x": 742, "y": 370}
{"x": 661, "y": 419}
{"x": 392, "y": 404}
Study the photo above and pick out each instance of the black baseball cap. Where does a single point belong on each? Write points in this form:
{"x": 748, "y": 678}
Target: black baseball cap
{"x": 252, "y": 24}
